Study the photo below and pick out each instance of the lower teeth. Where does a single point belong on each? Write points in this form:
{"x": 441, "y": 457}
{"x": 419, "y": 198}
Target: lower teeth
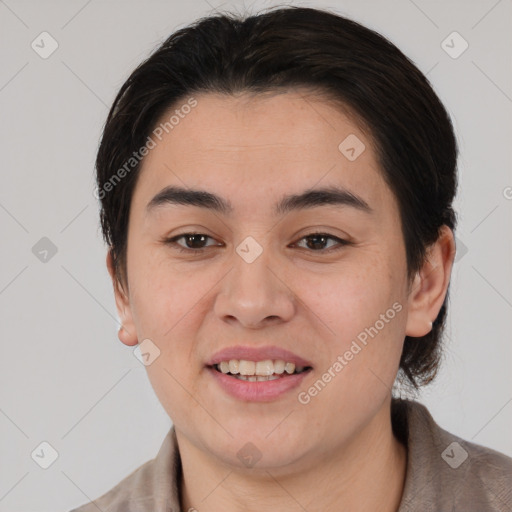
{"x": 257, "y": 378}
{"x": 261, "y": 378}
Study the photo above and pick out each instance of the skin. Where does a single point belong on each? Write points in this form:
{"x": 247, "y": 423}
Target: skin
{"x": 339, "y": 449}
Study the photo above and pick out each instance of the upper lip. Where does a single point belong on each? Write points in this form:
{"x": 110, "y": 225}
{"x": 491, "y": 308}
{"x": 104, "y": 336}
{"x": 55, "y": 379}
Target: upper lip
{"x": 257, "y": 354}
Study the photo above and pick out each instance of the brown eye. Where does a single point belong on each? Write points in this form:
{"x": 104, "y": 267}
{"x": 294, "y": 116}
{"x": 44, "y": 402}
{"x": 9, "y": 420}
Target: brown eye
{"x": 316, "y": 242}
{"x": 193, "y": 242}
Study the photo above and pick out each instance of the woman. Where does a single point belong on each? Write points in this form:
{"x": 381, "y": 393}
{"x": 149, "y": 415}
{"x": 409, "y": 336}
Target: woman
{"x": 276, "y": 193}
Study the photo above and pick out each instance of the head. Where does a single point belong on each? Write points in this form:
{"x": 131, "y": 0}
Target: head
{"x": 252, "y": 113}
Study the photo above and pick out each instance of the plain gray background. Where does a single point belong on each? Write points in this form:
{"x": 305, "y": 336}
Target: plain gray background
{"x": 66, "y": 379}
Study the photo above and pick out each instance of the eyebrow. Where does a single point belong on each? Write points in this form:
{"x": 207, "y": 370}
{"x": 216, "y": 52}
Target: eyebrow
{"x": 331, "y": 195}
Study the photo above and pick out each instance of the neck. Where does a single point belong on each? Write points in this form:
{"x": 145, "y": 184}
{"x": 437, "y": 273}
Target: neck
{"x": 366, "y": 473}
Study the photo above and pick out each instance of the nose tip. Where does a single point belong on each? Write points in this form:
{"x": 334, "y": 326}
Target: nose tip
{"x": 252, "y": 318}
{"x": 254, "y": 297}
{"x": 254, "y": 324}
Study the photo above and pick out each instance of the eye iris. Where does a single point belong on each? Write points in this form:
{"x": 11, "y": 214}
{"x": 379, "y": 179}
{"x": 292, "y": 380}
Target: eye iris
{"x": 315, "y": 242}
{"x": 192, "y": 237}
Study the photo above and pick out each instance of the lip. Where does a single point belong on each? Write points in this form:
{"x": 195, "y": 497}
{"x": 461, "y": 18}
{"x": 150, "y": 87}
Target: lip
{"x": 257, "y": 354}
{"x": 265, "y": 391}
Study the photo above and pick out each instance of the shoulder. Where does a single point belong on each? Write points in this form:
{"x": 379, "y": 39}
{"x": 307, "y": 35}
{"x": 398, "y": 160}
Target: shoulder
{"x": 446, "y": 472}
{"x": 152, "y": 486}
{"x": 480, "y": 475}
{"x": 126, "y": 495}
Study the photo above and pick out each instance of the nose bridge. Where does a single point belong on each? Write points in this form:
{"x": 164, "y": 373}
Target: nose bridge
{"x": 252, "y": 292}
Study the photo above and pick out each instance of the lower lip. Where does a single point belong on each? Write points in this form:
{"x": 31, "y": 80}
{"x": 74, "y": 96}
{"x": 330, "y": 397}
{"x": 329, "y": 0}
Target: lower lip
{"x": 264, "y": 391}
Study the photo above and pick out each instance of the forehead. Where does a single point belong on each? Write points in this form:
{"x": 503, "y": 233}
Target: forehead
{"x": 253, "y": 148}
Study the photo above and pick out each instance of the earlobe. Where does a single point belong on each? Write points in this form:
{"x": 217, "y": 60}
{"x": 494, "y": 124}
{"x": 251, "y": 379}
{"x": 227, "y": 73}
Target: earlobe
{"x": 430, "y": 285}
{"x": 127, "y": 337}
{"x": 127, "y": 333}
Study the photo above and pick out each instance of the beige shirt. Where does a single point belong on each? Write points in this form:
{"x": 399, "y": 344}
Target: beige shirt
{"x": 444, "y": 473}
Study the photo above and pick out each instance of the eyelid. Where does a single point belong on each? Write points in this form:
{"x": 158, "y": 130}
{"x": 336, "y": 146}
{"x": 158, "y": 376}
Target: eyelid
{"x": 341, "y": 242}
{"x": 173, "y": 241}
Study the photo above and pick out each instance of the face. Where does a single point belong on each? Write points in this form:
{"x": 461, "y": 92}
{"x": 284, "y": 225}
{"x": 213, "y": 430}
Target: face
{"x": 260, "y": 281}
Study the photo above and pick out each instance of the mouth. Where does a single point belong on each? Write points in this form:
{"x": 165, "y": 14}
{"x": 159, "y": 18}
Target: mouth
{"x": 259, "y": 379}
{"x": 259, "y": 371}
{"x": 257, "y": 374}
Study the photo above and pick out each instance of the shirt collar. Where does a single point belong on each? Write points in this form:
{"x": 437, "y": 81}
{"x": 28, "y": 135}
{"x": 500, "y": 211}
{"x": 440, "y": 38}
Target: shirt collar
{"x": 412, "y": 424}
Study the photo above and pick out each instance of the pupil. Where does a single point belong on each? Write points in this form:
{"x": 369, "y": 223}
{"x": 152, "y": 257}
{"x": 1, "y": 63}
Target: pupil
{"x": 191, "y": 237}
{"x": 316, "y": 237}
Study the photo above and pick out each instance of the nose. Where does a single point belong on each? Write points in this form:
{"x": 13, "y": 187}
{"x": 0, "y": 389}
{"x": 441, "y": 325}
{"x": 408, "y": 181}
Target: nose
{"x": 255, "y": 294}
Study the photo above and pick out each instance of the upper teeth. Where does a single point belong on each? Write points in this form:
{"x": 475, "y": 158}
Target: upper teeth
{"x": 263, "y": 368}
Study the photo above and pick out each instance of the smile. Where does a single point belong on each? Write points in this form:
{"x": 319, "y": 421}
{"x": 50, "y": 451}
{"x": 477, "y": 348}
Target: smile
{"x": 258, "y": 371}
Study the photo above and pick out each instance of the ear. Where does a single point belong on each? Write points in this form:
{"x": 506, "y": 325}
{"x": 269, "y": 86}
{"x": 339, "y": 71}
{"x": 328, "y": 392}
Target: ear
{"x": 430, "y": 285}
{"x": 127, "y": 333}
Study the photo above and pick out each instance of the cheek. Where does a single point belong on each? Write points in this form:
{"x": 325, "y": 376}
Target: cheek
{"x": 168, "y": 308}
{"x": 175, "y": 389}
{"x": 164, "y": 297}
{"x": 351, "y": 299}
{"x": 364, "y": 308}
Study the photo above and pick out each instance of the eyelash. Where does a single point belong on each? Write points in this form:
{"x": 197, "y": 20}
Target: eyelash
{"x": 173, "y": 242}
